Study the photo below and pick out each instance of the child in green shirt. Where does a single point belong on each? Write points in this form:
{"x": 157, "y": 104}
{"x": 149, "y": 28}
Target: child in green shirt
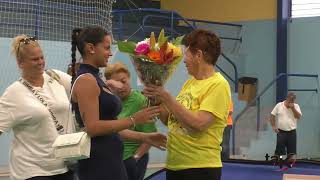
{"x": 135, "y": 154}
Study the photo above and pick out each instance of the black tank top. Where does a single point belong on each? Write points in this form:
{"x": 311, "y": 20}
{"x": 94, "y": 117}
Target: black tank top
{"x": 106, "y": 151}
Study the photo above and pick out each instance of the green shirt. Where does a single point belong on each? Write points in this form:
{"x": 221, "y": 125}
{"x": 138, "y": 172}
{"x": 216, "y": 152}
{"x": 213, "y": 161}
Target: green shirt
{"x": 134, "y": 103}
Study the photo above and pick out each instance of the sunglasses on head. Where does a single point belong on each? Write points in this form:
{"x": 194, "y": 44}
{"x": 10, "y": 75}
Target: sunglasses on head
{"x": 26, "y": 40}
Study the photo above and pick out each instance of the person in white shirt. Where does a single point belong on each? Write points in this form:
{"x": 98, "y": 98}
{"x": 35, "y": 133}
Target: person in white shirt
{"x": 36, "y": 109}
{"x": 283, "y": 120}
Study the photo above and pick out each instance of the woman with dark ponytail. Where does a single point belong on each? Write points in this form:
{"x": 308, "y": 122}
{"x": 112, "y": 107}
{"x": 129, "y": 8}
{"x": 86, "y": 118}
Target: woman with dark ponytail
{"x": 74, "y": 66}
{"x": 96, "y": 109}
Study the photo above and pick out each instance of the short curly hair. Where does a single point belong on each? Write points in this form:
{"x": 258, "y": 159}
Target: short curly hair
{"x": 206, "y": 41}
{"x": 115, "y": 68}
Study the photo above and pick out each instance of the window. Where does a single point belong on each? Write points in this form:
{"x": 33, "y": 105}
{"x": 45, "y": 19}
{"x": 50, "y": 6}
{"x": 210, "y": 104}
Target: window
{"x": 305, "y": 8}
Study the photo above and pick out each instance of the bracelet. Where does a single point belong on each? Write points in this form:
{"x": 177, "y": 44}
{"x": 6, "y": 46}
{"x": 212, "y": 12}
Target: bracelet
{"x": 133, "y": 121}
{"x": 136, "y": 157}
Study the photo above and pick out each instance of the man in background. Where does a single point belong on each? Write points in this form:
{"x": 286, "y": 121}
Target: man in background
{"x": 283, "y": 120}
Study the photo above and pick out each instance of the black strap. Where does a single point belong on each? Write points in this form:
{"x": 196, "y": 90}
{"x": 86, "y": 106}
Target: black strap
{"x": 59, "y": 127}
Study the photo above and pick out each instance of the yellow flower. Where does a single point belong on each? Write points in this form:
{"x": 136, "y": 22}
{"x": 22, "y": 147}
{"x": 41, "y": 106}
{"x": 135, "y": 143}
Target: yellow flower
{"x": 176, "y": 50}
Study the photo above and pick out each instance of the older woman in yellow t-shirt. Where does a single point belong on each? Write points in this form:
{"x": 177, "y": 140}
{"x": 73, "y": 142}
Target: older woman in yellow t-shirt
{"x": 197, "y": 117}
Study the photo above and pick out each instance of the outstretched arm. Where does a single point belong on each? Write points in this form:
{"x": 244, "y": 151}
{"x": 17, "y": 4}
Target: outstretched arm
{"x": 86, "y": 93}
{"x": 157, "y": 140}
{"x": 193, "y": 121}
{"x": 142, "y": 150}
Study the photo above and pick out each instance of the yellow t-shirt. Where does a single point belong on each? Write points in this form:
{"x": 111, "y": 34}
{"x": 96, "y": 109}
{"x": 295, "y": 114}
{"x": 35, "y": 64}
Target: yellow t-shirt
{"x": 199, "y": 149}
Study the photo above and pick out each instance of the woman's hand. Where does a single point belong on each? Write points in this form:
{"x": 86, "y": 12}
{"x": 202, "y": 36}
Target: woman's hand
{"x": 146, "y": 115}
{"x": 114, "y": 85}
{"x": 157, "y": 140}
{"x": 158, "y": 92}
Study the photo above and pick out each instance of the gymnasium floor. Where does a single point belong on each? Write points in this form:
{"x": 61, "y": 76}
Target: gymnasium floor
{"x": 244, "y": 170}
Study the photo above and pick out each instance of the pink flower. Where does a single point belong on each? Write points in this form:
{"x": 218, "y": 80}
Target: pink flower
{"x": 142, "y": 49}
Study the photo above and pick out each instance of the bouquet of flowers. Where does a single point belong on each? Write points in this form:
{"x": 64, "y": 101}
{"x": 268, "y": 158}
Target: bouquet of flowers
{"x": 154, "y": 60}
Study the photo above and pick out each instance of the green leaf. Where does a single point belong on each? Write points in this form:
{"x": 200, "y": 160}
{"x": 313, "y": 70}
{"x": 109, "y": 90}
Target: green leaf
{"x": 152, "y": 41}
{"x": 162, "y": 39}
{"x": 178, "y": 40}
{"x": 127, "y": 47}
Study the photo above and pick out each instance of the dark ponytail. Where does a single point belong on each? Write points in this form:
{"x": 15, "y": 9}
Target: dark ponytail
{"x": 74, "y": 39}
{"x": 90, "y": 34}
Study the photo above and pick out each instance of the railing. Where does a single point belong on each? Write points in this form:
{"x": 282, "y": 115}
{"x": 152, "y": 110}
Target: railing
{"x": 194, "y": 25}
{"x": 121, "y": 13}
{"x": 235, "y": 81}
{"x": 175, "y": 16}
{"x": 257, "y": 99}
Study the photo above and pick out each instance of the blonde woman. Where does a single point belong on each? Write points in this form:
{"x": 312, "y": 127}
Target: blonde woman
{"x": 33, "y": 108}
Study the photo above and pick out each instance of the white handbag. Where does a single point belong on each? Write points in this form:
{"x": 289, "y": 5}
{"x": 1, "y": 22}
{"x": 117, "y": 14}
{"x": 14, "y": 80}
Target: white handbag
{"x": 74, "y": 146}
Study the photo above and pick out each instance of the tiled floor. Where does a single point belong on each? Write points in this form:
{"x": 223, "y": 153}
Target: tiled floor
{"x": 148, "y": 173}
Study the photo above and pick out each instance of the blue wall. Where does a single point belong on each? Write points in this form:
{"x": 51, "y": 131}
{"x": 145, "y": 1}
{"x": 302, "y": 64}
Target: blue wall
{"x": 304, "y": 54}
{"x": 259, "y": 49}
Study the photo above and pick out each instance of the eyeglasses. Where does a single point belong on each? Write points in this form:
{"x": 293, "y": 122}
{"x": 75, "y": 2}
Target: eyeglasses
{"x": 26, "y": 40}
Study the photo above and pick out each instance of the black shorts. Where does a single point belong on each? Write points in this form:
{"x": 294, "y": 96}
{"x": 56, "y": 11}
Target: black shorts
{"x": 286, "y": 142}
{"x": 194, "y": 174}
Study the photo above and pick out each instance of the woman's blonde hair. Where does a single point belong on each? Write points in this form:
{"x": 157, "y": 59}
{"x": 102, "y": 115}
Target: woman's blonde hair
{"x": 115, "y": 68}
{"x": 19, "y": 44}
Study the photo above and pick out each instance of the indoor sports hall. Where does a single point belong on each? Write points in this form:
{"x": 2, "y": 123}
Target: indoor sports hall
{"x": 270, "y": 51}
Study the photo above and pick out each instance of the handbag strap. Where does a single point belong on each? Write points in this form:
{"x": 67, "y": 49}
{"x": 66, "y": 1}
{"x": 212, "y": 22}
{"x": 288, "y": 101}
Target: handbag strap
{"x": 70, "y": 104}
{"x": 43, "y": 101}
{"x": 74, "y": 84}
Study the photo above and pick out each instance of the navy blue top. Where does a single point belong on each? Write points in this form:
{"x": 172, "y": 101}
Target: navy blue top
{"x": 105, "y": 160}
